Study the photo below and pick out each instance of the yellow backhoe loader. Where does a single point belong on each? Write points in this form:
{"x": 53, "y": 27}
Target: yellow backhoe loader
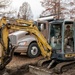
{"x": 56, "y": 51}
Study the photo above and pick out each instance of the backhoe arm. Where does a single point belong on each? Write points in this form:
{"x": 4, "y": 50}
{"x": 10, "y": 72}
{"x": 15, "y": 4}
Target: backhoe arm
{"x": 6, "y": 52}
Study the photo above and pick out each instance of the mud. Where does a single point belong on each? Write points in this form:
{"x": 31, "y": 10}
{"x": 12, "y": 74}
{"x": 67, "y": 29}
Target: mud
{"x": 20, "y": 66}
{"x": 24, "y": 70}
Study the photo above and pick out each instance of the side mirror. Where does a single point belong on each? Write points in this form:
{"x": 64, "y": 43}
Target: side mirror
{"x": 42, "y": 27}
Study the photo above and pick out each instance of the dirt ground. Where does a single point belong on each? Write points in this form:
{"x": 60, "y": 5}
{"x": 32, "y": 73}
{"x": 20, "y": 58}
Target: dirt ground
{"x": 19, "y": 66}
{"x": 20, "y": 60}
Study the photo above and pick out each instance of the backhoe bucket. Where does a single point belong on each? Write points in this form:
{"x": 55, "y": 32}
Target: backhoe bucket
{"x": 39, "y": 70}
{"x": 42, "y": 68}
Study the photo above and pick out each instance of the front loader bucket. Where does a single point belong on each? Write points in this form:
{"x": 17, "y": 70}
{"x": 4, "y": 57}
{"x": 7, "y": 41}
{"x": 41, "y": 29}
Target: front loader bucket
{"x": 39, "y": 70}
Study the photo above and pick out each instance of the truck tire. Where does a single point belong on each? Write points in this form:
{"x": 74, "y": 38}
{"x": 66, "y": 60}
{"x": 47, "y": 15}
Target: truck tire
{"x": 16, "y": 53}
{"x": 33, "y": 50}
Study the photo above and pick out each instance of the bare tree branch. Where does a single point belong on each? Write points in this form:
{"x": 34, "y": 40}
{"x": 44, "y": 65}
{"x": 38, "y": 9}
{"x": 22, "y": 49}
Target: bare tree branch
{"x": 25, "y": 11}
{"x": 59, "y": 6}
{"x": 4, "y": 3}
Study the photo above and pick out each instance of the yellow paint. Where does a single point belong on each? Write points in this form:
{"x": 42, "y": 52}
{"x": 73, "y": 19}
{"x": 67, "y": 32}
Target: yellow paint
{"x": 69, "y": 55}
{"x": 46, "y": 49}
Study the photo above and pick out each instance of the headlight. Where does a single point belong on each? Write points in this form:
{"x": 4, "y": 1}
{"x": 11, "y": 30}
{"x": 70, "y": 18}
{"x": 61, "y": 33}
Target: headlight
{"x": 23, "y": 43}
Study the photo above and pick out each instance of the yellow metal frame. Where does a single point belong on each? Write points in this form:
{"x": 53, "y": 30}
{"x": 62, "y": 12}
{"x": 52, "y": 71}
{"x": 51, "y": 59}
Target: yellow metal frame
{"x": 69, "y": 55}
{"x": 45, "y": 48}
{"x": 42, "y": 43}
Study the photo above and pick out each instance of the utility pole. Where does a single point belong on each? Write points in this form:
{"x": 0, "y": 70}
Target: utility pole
{"x": 59, "y": 9}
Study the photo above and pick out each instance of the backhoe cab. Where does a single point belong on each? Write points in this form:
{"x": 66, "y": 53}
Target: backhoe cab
{"x": 60, "y": 35}
{"x": 62, "y": 41}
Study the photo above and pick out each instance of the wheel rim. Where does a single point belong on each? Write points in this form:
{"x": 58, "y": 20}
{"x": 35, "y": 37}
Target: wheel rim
{"x": 34, "y": 50}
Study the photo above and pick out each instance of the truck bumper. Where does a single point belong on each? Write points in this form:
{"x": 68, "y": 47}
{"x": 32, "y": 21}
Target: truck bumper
{"x": 21, "y": 49}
